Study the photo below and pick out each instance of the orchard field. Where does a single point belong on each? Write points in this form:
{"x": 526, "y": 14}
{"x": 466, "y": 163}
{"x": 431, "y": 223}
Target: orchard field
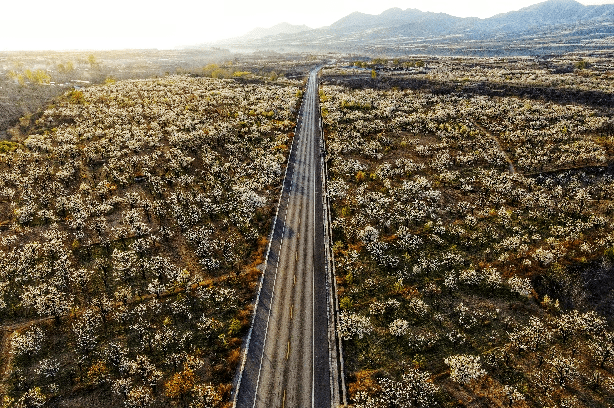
{"x": 473, "y": 229}
{"x": 473, "y": 233}
{"x": 133, "y": 216}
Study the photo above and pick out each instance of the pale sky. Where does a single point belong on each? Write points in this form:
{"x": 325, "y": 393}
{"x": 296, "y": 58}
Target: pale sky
{"x": 121, "y": 24}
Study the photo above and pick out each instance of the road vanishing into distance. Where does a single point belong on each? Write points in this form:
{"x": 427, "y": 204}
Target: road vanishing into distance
{"x": 287, "y": 362}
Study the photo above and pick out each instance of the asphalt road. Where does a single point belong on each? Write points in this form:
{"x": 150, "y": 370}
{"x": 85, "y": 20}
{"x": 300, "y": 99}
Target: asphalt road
{"x": 287, "y": 361}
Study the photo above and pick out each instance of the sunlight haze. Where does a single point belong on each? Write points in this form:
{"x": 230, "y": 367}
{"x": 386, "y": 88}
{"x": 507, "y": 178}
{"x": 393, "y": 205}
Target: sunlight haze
{"x": 70, "y": 24}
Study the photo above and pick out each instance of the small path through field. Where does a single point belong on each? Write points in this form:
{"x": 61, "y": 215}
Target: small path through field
{"x": 496, "y": 139}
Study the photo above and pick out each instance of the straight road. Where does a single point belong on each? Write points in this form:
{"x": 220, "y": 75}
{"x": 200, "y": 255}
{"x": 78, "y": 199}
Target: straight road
{"x": 287, "y": 361}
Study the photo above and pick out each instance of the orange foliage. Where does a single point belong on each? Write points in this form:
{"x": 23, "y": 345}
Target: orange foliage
{"x": 233, "y": 357}
{"x": 180, "y": 383}
{"x": 224, "y": 391}
{"x": 365, "y": 383}
{"x": 245, "y": 314}
{"x": 97, "y": 372}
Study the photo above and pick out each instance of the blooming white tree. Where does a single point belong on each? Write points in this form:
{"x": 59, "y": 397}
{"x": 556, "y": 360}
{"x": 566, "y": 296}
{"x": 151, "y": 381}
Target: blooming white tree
{"x": 205, "y": 396}
{"x": 603, "y": 349}
{"x": 48, "y": 367}
{"x": 354, "y": 325}
{"x": 399, "y": 327}
{"x": 47, "y": 300}
{"x": 464, "y": 368}
{"x": 414, "y": 390}
{"x": 85, "y": 330}
{"x": 29, "y": 343}
{"x": 532, "y": 336}
{"x": 563, "y": 369}
{"x": 521, "y": 286}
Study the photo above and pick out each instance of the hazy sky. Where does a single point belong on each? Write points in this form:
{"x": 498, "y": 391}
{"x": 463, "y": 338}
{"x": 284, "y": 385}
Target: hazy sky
{"x": 120, "y": 24}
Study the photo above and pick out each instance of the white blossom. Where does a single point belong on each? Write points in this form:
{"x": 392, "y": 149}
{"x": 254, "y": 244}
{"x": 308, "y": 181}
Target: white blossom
{"x": 353, "y": 325}
{"x": 464, "y": 368}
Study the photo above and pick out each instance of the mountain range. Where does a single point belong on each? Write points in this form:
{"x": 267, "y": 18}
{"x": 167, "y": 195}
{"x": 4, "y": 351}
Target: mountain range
{"x": 260, "y": 32}
{"x": 552, "y": 26}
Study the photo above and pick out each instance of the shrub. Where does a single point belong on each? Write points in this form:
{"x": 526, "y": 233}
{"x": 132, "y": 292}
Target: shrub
{"x": 180, "y": 384}
{"x": 234, "y": 327}
{"x": 345, "y": 303}
{"x": 76, "y": 97}
{"x": 6, "y": 146}
{"x": 464, "y": 368}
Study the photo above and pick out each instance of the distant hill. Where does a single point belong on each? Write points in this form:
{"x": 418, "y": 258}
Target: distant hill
{"x": 258, "y": 33}
{"x": 552, "y": 26}
{"x": 394, "y": 18}
{"x": 550, "y": 13}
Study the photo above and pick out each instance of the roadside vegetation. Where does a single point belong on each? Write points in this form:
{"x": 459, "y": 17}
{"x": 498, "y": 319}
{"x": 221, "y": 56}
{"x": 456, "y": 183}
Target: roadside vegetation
{"x": 132, "y": 218}
{"x": 473, "y": 234}
{"x": 29, "y": 81}
{"x": 473, "y": 226}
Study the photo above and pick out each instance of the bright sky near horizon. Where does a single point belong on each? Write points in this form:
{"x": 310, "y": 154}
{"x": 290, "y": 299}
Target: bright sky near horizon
{"x": 122, "y": 24}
